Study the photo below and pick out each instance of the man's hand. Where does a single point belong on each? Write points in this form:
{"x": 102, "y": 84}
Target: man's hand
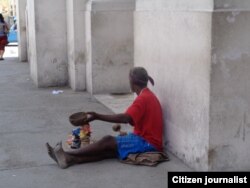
{"x": 91, "y": 116}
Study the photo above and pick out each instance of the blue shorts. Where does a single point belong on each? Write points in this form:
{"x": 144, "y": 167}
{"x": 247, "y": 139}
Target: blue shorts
{"x": 132, "y": 143}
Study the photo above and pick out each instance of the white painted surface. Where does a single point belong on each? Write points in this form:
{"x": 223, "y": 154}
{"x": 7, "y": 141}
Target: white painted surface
{"x": 230, "y": 92}
{"x": 21, "y": 28}
{"x": 32, "y": 48}
{"x": 49, "y": 46}
{"x": 111, "y": 46}
{"x": 76, "y": 40}
{"x": 206, "y": 117}
{"x": 175, "y": 48}
{"x": 88, "y": 50}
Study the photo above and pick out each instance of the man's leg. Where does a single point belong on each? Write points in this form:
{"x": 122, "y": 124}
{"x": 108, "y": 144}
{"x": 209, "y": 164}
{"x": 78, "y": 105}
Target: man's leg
{"x": 103, "y": 149}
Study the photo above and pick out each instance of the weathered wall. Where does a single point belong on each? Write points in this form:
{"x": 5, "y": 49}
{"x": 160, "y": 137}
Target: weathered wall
{"x": 230, "y": 89}
{"x": 112, "y": 45}
{"x": 174, "y": 44}
{"x": 51, "y": 33}
{"x": 21, "y": 28}
{"x": 90, "y": 48}
{"x": 49, "y": 29}
{"x": 31, "y": 35}
{"x": 76, "y": 40}
{"x": 199, "y": 55}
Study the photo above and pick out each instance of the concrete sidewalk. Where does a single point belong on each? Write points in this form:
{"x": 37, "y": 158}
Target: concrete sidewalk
{"x": 30, "y": 117}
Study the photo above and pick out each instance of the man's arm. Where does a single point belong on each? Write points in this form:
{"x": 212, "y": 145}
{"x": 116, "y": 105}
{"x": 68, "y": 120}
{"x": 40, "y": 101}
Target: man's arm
{"x": 116, "y": 118}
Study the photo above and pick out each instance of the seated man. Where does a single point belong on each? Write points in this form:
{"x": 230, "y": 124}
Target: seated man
{"x": 145, "y": 115}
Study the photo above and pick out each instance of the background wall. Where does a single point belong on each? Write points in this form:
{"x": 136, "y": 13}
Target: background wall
{"x": 76, "y": 43}
{"x": 31, "y": 35}
{"x": 49, "y": 46}
{"x": 230, "y": 89}
{"x": 199, "y": 55}
{"x": 173, "y": 43}
{"x": 21, "y": 27}
{"x": 51, "y": 33}
{"x": 112, "y": 45}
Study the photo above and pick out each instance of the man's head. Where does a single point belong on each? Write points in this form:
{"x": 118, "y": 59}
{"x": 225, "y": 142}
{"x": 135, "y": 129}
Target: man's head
{"x": 139, "y": 77}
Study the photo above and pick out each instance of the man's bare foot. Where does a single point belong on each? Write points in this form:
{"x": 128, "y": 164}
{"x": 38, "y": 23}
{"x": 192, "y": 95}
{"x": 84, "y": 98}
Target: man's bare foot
{"x": 51, "y": 152}
{"x": 58, "y": 155}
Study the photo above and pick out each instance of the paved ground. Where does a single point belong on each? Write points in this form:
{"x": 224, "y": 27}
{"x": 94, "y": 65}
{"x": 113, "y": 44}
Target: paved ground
{"x": 30, "y": 117}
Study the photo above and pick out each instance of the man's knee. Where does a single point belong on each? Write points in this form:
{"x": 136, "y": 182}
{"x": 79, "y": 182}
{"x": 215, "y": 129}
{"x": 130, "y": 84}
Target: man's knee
{"x": 108, "y": 142}
{"x": 108, "y": 138}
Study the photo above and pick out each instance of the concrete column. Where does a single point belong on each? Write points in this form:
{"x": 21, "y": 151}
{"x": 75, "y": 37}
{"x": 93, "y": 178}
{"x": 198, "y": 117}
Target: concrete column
{"x": 174, "y": 44}
{"x": 111, "y": 46}
{"x": 48, "y": 42}
{"x": 21, "y": 28}
{"x": 198, "y": 54}
{"x": 76, "y": 36}
{"x": 31, "y": 40}
{"x": 229, "y": 131}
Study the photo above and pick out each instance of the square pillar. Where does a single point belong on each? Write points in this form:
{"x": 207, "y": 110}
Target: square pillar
{"x": 77, "y": 11}
{"x": 112, "y": 44}
{"x": 229, "y": 131}
{"x": 48, "y": 42}
{"x": 21, "y": 28}
{"x": 174, "y": 44}
{"x": 198, "y": 54}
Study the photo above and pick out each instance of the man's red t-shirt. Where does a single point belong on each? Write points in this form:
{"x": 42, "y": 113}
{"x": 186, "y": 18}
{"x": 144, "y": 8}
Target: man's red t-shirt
{"x": 146, "y": 114}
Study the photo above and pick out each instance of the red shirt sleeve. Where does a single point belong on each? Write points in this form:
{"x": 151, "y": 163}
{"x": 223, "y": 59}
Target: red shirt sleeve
{"x": 136, "y": 110}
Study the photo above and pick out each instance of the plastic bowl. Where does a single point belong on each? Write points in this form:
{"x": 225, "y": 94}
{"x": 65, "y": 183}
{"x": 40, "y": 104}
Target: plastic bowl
{"x": 78, "y": 119}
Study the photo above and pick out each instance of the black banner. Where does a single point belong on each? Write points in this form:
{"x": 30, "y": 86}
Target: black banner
{"x": 208, "y": 179}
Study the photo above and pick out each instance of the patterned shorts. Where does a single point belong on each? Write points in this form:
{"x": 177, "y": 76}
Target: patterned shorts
{"x": 132, "y": 143}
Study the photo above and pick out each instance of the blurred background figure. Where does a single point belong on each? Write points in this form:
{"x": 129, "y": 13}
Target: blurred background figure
{"x": 4, "y": 29}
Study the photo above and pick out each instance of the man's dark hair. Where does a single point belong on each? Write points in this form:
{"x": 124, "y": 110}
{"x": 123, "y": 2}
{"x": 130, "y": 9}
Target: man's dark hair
{"x": 139, "y": 76}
